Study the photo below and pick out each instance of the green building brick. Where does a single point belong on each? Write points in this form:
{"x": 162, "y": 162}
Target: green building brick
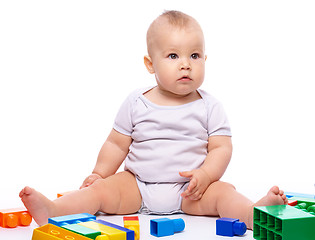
{"x": 87, "y": 232}
{"x": 283, "y": 222}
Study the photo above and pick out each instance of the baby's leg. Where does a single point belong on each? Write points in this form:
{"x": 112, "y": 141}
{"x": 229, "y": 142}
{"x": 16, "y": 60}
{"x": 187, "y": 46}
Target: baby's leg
{"x": 118, "y": 194}
{"x": 221, "y": 199}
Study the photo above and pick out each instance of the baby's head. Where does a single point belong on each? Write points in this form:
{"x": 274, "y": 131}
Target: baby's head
{"x": 176, "y": 52}
{"x": 170, "y": 20}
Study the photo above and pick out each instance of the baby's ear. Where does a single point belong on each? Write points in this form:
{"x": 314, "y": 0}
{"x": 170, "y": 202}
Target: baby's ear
{"x": 148, "y": 64}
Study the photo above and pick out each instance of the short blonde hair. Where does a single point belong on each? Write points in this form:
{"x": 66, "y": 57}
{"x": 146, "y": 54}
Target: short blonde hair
{"x": 174, "y": 18}
{"x": 177, "y": 18}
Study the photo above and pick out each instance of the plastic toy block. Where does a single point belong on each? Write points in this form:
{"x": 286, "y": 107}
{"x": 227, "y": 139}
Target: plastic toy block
{"x": 52, "y": 232}
{"x": 283, "y": 222}
{"x": 292, "y": 202}
{"x": 132, "y": 223}
{"x": 310, "y": 201}
{"x": 130, "y": 234}
{"x": 164, "y": 226}
{"x": 293, "y": 194}
{"x": 131, "y": 218}
{"x": 112, "y": 233}
{"x": 71, "y": 219}
{"x": 230, "y": 227}
{"x": 84, "y": 231}
{"x": 304, "y": 204}
{"x": 11, "y": 218}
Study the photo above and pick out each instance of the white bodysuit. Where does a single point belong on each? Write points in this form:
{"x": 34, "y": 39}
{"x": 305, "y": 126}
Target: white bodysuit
{"x": 167, "y": 140}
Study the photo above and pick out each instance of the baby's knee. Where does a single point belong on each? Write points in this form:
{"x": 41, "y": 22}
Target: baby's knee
{"x": 103, "y": 189}
{"x": 99, "y": 186}
{"x": 219, "y": 185}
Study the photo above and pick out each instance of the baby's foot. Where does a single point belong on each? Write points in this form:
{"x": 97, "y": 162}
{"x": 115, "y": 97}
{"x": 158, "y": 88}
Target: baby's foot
{"x": 275, "y": 196}
{"x": 37, "y": 204}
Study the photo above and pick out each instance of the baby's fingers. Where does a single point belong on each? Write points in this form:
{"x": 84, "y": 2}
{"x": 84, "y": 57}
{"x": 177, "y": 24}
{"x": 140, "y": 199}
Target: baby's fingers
{"x": 187, "y": 174}
{"x": 191, "y": 189}
{"x": 86, "y": 183}
{"x": 196, "y": 196}
{"x": 192, "y": 185}
{"x": 89, "y": 180}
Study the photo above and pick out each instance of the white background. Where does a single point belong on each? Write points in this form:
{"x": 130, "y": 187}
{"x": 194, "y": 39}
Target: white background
{"x": 66, "y": 66}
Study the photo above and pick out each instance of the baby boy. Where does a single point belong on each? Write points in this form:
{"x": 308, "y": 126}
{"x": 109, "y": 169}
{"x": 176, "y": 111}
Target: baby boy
{"x": 174, "y": 138}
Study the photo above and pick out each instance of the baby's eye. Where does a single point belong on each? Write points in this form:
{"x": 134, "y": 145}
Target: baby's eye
{"x": 194, "y": 56}
{"x": 172, "y": 56}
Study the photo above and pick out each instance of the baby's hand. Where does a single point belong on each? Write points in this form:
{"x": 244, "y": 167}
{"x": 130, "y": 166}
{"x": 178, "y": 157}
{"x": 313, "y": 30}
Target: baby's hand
{"x": 90, "y": 180}
{"x": 199, "y": 182}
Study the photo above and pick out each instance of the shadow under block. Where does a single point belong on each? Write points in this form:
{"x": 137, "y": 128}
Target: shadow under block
{"x": 283, "y": 222}
{"x": 52, "y": 232}
{"x": 11, "y": 218}
{"x": 71, "y": 219}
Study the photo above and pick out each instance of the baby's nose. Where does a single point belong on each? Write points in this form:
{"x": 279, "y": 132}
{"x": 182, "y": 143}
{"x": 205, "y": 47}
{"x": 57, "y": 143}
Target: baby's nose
{"x": 185, "y": 65}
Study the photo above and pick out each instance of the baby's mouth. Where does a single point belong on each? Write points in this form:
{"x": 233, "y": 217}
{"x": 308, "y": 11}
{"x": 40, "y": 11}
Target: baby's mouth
{"x": 185, "y": 78}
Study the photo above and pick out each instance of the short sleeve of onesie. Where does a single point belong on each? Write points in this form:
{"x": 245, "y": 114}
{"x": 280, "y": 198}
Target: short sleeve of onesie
{"x": 123, "y": 120}
{"x": 217, "y": 120}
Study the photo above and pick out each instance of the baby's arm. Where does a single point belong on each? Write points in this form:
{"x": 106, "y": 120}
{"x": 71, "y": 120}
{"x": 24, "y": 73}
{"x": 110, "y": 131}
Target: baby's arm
{"x": 213, "y": 168}
{"x": 111, "y": 156}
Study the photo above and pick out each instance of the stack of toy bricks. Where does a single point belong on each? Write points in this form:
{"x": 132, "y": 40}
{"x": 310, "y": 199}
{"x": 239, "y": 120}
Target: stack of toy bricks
{"x": 285, "y": 222}
{"x": 81, "y": 227}
{"x": 132, "y": 223}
